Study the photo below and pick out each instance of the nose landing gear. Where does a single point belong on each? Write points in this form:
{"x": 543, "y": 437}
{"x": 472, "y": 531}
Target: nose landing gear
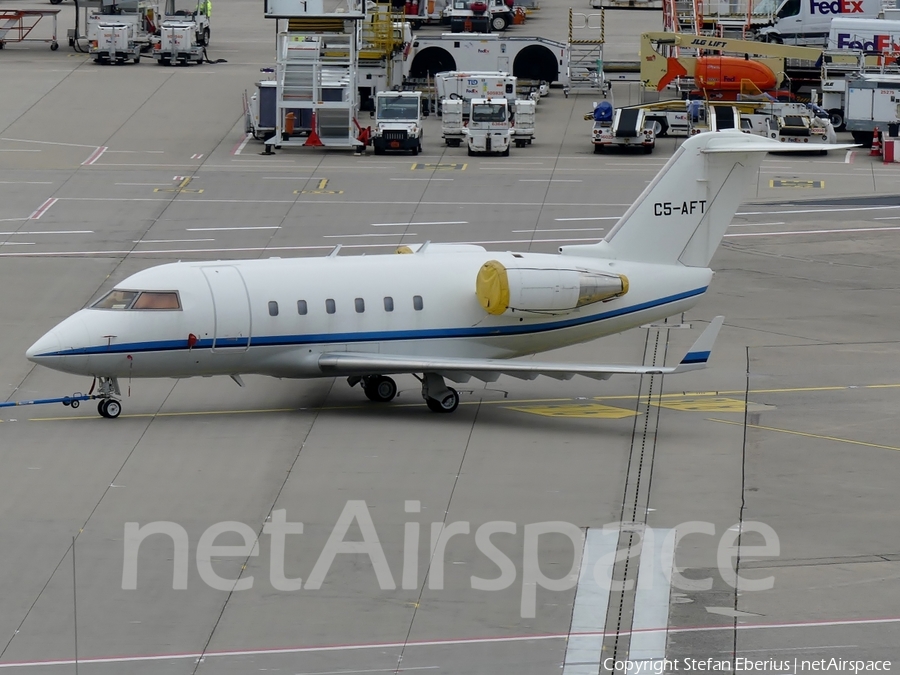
{"x": 109, "y": 407}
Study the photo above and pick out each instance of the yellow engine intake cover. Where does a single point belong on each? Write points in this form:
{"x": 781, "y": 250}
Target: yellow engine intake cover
{"x": 492, "y": 287}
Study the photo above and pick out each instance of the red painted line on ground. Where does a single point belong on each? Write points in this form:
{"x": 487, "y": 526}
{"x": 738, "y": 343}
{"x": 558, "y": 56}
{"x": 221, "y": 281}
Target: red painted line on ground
{"x": 42, "y": 209}
{"x": 95, "y": 156}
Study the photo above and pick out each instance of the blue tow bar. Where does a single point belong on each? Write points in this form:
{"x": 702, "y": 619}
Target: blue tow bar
{"x": 74, "y": 400}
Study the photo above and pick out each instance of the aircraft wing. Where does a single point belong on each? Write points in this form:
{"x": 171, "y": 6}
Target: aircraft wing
{"x": 488, "y": 370}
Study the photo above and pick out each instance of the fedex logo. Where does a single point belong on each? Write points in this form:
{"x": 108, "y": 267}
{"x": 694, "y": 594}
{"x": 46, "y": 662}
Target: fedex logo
{"x": 878, "y": 43}
{"x": 836, "y": 6}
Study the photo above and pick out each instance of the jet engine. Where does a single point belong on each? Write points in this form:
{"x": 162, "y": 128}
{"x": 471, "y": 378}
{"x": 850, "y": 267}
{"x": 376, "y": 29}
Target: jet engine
{"x": 529, "y": 289}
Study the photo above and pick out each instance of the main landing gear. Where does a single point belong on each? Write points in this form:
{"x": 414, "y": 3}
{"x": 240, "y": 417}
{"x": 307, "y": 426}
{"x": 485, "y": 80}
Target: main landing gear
{"x": 108, "y": 406}
{"x": 438, "y": 396}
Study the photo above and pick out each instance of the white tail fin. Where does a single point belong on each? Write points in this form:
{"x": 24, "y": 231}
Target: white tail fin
{"x": 682, "y": 215}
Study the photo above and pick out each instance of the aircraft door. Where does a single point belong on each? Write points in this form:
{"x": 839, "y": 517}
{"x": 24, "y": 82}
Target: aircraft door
{"x": 231, "y": 304}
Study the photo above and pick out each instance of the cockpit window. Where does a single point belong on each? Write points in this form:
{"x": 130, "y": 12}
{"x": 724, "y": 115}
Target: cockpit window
{"x": 118, "y": 299}
{"x": 157, "y": 300}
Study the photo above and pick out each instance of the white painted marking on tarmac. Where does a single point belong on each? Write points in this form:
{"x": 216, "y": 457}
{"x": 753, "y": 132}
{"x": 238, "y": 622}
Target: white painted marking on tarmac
{"x": 549, "y": 180}
{"x": 583, "y": 648}
{"x": 848, "y": 158}
{"x": 97, "y": 154}
{"x": 886, "y": 218}
{"x": 254, "y": 249}
{"x": 449, "y": 642}
{"x": 168, "y": 241}
{"x": 651, "y": 599}
{"x": 295, "y": 178}
{"x": 827, "y": 210}
{"x": 42, "y": 209}
{"x": 25, "y": 140}
{"x": 26, "y": 182}
{"x": 197, "y": 156}
{"x": 229, "y": 229}
{"x": 428, "y": 179}
{"x": 376, "y": 670}
{"x": 563, "y": 220}
{"x": 13, "y": 220}
{"x": 432, "y": 222}
{"x": 7, "y": 234}
{"x": 388, "y": 234}
{"x": 842, "y": 230}
{"x": 791, "y": 649}
{"x": 17, "y": 150}
{"x": 237, "y": 149}
{"x": 16, "y": 243}
{"x": 754, "y": 224}
{"x": 144, "y": 184}
{"x": 563, "y": 229}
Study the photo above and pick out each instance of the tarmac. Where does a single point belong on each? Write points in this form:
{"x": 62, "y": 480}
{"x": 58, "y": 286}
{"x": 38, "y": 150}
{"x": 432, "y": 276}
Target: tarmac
{"x": 788, "y": 439}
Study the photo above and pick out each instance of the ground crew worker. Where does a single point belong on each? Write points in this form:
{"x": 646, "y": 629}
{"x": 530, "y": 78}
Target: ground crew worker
{"x": 364, "y": 135}
{"x": 206, "y": 7}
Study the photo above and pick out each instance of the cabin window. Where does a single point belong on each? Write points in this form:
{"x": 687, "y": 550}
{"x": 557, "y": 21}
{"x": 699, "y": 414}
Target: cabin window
{"x": 388, "y": 304}
{"x": 155, "y": 300}
{"x": 360, "y": 305}
{"x": 273, "y": 308}
{"x": 301, "y": 307}
{"x": 329, "y": 306}
{"x": 417, "y": 303}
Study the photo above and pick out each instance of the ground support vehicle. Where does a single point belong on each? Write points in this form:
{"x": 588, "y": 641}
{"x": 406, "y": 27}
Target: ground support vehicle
{"x": 473, "y": 84}
{"x": 177, "y": 44}
{"x": 523, "y": 122}
{"x": 469, "y": 16}
{"x": 625, "y": 127}
{"x": 398, "y": 122}
{"x": 872, "y": 101}
{"x": 114, "y": 42}
{"x": 453, "y": 127}
{"x": 489, "y": 129}
{"x": 196, "y": 11}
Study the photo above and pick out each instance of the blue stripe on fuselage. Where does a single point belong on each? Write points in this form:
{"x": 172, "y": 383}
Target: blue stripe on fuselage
{"x": 379, "y": 336}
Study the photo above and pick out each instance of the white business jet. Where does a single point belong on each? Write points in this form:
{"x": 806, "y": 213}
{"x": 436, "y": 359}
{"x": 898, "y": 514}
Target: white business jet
{"x": 443, "y": 312}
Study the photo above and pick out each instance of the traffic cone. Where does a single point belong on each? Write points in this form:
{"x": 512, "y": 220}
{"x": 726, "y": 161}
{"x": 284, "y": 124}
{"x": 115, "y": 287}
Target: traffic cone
{"x": 876, "y": 143}
{"x": 313, "y": 140}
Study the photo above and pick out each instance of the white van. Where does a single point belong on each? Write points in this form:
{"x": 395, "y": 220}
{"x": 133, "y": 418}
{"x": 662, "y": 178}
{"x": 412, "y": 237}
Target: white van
{"x": 864, "y": 35}
{"x": 808, "y": 22}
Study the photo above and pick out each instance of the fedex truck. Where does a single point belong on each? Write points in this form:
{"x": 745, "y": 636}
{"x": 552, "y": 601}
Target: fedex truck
{"x": 808, "y": 22}
{"x": 864, "y": 37}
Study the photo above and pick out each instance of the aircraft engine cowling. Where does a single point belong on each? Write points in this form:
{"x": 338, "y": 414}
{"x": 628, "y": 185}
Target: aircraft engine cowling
{"x": 529, "y": 289}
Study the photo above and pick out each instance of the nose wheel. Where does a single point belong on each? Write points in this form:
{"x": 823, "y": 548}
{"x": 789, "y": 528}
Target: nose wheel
{"x": 109, "y": 408}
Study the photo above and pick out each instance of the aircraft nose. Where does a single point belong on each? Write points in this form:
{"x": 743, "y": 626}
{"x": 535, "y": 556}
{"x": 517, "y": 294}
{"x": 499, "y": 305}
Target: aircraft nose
{"x": 48, "y": 344}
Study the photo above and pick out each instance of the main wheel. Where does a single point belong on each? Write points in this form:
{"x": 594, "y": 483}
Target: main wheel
{"x": 205, "y": 41}
{"x": 471, "y": 153}
{"x": 380, "y": 389}
{"x": 837, "y": 119}
{"x": 505, "y": 153}
{"x": 447, "y": 404}
{"x": 113, "y": 408}
{"x": 498, "y": 22}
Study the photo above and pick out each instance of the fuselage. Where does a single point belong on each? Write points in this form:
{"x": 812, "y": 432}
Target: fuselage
{"x": 276, "y": 316}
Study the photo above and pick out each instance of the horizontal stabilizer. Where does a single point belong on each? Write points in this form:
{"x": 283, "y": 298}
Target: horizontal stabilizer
{"x": 699, "y": 352}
